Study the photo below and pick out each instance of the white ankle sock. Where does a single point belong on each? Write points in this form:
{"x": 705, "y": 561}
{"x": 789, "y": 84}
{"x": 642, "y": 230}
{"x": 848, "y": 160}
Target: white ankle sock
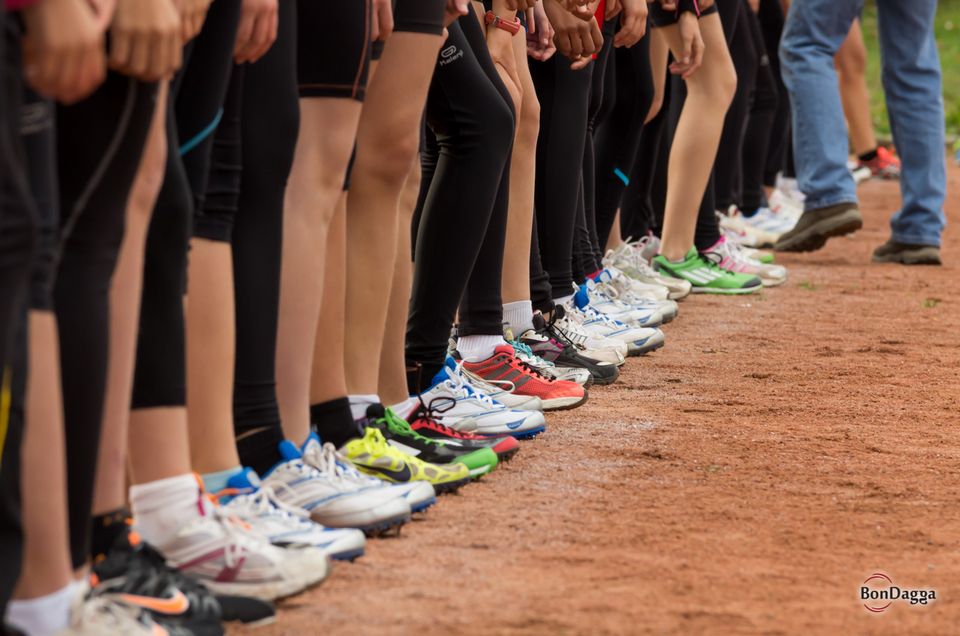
{"x": 160, "y": 508}
{"x": 359, "y": 404}
{"x": 478, "y": 348}
{"x": 562, "y": 300}
{"x": 43, "y": 615}
{"x": 519, "y": 315}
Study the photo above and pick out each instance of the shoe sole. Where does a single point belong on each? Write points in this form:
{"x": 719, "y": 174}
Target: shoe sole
{"x": 564, "y": 404}
{"x": 905, "y": 258}
{"x": 451, "y": 486}
{"x": 529, "y": 433}
{"x": 347, "y": 555}
{"x": 380, "y": 527}
{"x": 608, "y": 380}
{"x": 816, "y": 236}
{"x": 423, "y": 505}
{"x": 506, "y": 456}
{"x": 727, "y": 292}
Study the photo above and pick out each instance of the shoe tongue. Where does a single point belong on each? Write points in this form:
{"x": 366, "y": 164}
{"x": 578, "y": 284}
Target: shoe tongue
{"x": 244, "y": 480}
{"x": 448, "y": 368}
{"x": 505, "y": 349}
{"x": 288, "y": 450}
{"x": 581, "y": 298}
{"x": 604, "y": 276}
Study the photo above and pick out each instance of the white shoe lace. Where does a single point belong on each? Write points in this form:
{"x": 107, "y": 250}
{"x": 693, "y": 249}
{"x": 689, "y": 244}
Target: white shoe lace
{"x": 328, "y": 461}
{"x": 459, "y": 385}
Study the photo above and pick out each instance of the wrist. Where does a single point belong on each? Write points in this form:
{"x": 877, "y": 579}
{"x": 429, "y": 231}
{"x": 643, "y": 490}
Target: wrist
{"x": 510, "y": 26}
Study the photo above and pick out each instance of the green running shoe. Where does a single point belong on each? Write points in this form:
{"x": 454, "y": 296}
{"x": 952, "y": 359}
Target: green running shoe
{"x": 401, "y": 436}
{"x": 706, "y": 277}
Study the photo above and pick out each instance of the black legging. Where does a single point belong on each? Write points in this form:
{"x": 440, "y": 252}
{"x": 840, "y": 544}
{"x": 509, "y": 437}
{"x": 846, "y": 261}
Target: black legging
{"x": 617, "y": 139}
{"x": 99, "y": 145}
{"x": 764, "y": 107}
{"x": 194, "y": 111}
{"x": 460, "y": 220}
{"x": 17, "y": 241}
{"x": 771, "y": 24}
{"x": 564, "y": 100}
{"x": 587, "y": 254}
{"x": 270, "y": 124}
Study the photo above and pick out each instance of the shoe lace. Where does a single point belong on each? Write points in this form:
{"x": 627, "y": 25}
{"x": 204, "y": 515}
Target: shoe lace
{"x": 458, "y": 384}
{"x": 526, "y": 354}
{"x": 400, "y": 426}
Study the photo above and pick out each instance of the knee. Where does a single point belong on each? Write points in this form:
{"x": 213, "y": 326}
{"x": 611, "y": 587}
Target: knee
{"x": 723, "y": 86}
{"x": 529, "y": 127}
{"x": 388, "y": 162}
{"x": 498, "y": 125}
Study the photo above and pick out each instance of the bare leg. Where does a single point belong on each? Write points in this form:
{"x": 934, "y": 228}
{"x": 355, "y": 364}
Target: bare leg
{"x": 110, "y": 490}
{"x": 393, "y": 379}
{"x": 615, "y": 239}
{"x": 516, "y": 255}
{"x": 387, "y": 143}
{"x": 46, "y": 546}
{"x": 658, "y": 66}
{"x": 327, "y": 131}
{"x": 851, "y": 62}
{"x": 709, "y": 93}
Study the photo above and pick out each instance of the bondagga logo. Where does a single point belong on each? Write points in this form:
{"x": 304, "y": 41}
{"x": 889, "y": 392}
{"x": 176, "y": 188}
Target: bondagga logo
{"x": 879, "y": 593}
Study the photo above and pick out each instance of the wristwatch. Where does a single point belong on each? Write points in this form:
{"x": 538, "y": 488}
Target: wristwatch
{"x": 510, "y": 27}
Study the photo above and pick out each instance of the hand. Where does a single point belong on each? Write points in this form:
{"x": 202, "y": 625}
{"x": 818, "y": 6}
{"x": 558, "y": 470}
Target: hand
{"x": 455, "y": 9}
{"x": 692, "y": 56}
{"x": 103, "y": 9}
{"x": 633, "y": 23}
{"x": 540, "y": 35}
{"x": 583, "y": 9}
{"x": 382, "y": 19}
{"x": 146, "y": 39}
{"x": 754, "y": 5}
{"x": 574, "y": 38}
{"x": 613, "y": 9}
{"x": 192, "y": 15}
{"x": 257, "y": 31}
{"x": 64, "y": 54}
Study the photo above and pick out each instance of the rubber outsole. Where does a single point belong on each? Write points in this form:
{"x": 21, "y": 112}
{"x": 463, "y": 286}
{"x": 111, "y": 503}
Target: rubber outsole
{"x": 530, "y": 433}
{"x": 728, "y": 292}
{"x": 906, "y": 258}
{"x": 565, "y": 407}
{"x": 450, "y": 486}
{"x": 347, "y": 555}
{"x": 382, "y": 526}
{"x": 816, "y": 236}
{"x": 423, "y": 505}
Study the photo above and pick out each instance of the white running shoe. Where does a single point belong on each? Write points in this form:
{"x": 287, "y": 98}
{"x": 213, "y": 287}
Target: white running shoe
{"x": 92, "y": 615}
{"x": 595, "y": 347}
{"x": 550, "y": 369}
{"x": 767, "y": 220}
{"x": 230, "y": 560}
{"x": 791, "y": 188}
{"x": 639, "y": 340}
{"x": 604, "y": 300}
{"x": 623, "y": 288}
{"x": 783, "y": 205}
{"x": 285, "y": 525}
{"x": 735, "y": 227}
{"x": 315, "y": 481}
{"x": 629, "y": 259}
{"x": 730, "y": 256}
{"x": 455, "y": 403}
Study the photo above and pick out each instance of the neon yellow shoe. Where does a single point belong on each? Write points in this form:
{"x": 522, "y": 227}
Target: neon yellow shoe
{"x": 372, "y": 455}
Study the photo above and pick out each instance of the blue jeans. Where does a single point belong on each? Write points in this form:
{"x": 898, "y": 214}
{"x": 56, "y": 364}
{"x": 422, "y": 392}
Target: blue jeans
{"x": 814, "y": 31}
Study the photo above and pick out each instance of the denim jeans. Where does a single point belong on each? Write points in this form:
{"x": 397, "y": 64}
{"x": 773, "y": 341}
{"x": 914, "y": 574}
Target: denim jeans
{"x": 814, "y": 31}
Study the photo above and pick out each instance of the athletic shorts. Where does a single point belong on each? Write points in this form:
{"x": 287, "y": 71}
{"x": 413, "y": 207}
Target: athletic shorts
{"x": 333, "y": 48}
{"x": 659, "y": 17}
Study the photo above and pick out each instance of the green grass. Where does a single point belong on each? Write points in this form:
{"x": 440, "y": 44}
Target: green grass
{"x": 948, "y": 38}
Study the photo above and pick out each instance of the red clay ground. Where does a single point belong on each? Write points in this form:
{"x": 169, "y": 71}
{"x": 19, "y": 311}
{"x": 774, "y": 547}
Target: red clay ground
{"x": 745, "y": 479}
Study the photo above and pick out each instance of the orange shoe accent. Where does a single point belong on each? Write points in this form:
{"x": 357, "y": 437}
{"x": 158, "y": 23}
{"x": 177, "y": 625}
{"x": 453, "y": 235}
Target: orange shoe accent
{"x": 174, "y": 606}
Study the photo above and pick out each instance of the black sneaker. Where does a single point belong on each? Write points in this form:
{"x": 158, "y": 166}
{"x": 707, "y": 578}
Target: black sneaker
{"x": 552, "y": 345}
{"x": 816, "y": 226}
{"x": 136, "y": 575}
{"x": 907, "y": 254}
{"x": 246, "y": 610}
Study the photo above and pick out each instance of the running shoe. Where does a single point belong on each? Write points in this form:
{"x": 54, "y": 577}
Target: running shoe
{"x": 419, "y": 495}
{"x": 453, "y": 401}
{"x": 401, "y": 436}
{"x": 638, "y": 340}
{"x": 603, "y": 300}
{"x": 314, "y": 481}
{"x": 373, "y": 455}
{"x": 629, "y": 259}
{"x": 567, "y": 322}
{"x": 500, "y": 392}
{"x": 618, "y": 285}
{"x": 730, "y": 256}
{"x": 554, "y": 347}
{"x": 135, "y": 574}
{"x": 549, "y": 369}
{"x": 736, "y": 227}
{"x": 784, "y": 205}
{"x": 92, "y": 615}
{"x": 504, "y": 365}
{"x": 886, "y": 165}
{"x": 707, "y": 277}
{"x": 282, "y": 524}
{"x": 225, "y": 557}
{"x": 423, "y": 421}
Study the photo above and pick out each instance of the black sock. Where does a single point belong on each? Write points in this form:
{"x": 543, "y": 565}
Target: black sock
{"x": 106, "y": 528}
{"x": 258, "y": 448}
{"x": 868, "y": 156}
{"x": 334, "y": 422}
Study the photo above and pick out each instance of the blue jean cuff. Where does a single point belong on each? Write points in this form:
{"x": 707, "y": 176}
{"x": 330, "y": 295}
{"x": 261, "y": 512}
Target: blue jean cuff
{"x": 809, "y": 205}
{"x": 917, "y": 239}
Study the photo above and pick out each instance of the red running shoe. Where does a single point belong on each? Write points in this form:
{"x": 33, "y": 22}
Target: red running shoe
{"x": 505, "y": 366}
{"x": 885, "y": 165}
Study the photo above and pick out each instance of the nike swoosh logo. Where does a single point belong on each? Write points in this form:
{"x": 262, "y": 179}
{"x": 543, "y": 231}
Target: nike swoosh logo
{"x": 517, "y": 424}
{"x": 402, "y": 475}
{"x": 177, "y": 604}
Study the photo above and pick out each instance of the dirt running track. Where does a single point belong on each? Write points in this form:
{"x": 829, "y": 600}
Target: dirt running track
{"x": 746, "y": 479}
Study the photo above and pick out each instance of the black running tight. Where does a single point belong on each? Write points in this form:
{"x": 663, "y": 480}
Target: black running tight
{"x": 460, "y": 221}
{"x": 771, "y": 26}
{"x": 269, "y": 126}
{"x": 728, "y": 169}
{"x": 764, "y": 106}
{"x": 564, "y": 96}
